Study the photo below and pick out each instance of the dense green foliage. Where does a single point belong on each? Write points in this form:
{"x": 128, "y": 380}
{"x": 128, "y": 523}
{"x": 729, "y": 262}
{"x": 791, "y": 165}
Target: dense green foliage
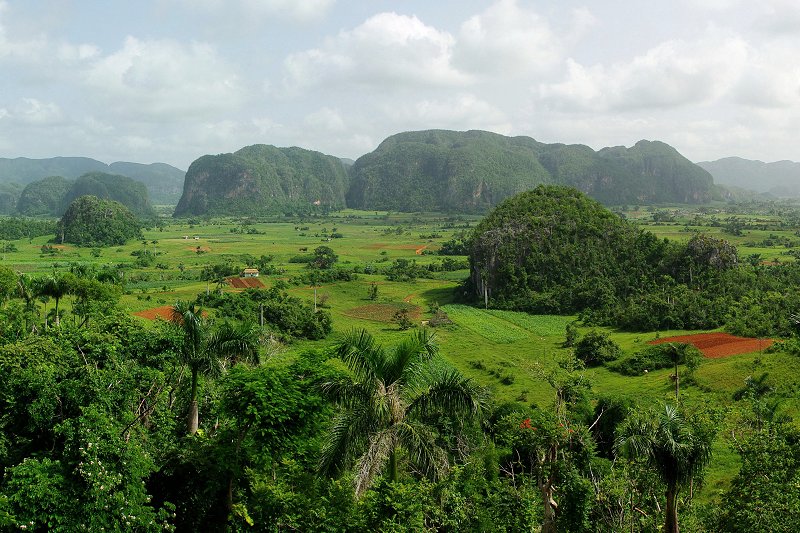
{"x": 91, "y": 221}
{"x": 554, "y": 250}
{"x": 287, "y": 316}
{"x": 9, "y": 195}
{"x": 263, "y": 179}
{"x": 44, "y": 197}
{"x": 130, "y": 193}
{"x": 76, "y": 371}
{"x": 14, "y": 228}
{"x": 472, "y": 171}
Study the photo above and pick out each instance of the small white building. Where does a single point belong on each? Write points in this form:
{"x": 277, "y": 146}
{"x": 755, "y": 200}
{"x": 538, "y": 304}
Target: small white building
{"x": 250, "y": 273}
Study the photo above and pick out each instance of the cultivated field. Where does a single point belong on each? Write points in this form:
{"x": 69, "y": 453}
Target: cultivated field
{"x": 511, "y": 353}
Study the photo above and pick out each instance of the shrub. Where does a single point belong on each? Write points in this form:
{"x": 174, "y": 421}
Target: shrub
{"x": 596, "y": 348}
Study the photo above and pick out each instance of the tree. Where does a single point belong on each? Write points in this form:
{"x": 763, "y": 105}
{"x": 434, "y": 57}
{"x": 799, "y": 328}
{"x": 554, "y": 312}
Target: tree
{"x": 382, "y": 405}
{"x": 596, "y": 348}
{"x": 324, "y": 257}
{"x": 676, "y": 447}
{"x": 56, "y": 286}
{"x": 205, "y": 350}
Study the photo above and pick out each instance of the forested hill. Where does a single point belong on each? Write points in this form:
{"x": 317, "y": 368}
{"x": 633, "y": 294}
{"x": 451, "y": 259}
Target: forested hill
{"x": 263, "y": 179}
{"x": 51, "y": 196}
{"x": 164, "y": 182}
{"x": 781, "y": 178}
{"x": 475, "y": 170}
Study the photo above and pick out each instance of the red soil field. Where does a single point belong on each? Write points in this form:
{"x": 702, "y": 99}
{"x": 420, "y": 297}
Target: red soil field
{"x": 165, "y": 311}
{"x": 717, "y": 345}
{"x": 383, "y": 312}
{"x": 245, "y": 283}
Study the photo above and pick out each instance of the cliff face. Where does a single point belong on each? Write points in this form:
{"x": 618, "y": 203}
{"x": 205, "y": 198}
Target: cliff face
{"x": 262, "y": 179}
{"x": 473, "y": 171}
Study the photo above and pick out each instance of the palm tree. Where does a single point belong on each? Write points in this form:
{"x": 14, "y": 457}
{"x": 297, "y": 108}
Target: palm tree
{"x": 56, "y": 286}
{"x": 675, "y": 447}
{"x": 383, "y": 404}
{"x": 26, "y": 289}
{"x": 205, "y": 351}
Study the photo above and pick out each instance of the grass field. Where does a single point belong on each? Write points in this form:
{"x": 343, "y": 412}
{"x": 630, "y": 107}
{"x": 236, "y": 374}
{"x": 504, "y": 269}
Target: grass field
{"x": 508, "y": 352}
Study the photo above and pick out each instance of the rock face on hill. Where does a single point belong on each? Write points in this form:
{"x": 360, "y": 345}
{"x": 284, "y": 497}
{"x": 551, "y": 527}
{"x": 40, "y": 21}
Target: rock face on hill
{"x": 164, "y": 182}
{"x": 781, "y": 178}
{"x": 472, "y": 171}
{"x": 263, "y": 179}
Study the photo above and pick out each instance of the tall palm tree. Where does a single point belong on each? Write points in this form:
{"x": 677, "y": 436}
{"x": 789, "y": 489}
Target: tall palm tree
{"x": 205, "y": 350}
{"x": 673, "y": 446}
{"x": 383, "y": 404}
{"x": 56, "y": 286}
{"x": 26, "y": 289}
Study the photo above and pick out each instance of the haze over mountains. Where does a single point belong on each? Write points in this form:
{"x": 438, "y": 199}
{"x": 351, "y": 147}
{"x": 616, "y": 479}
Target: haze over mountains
{"x": 430, "y": 170}
{"x": 164, "y": 182}
{"x": 781, "y": 178}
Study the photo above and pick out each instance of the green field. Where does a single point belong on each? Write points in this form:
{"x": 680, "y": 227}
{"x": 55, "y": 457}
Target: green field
{"x": 508, "y": 352}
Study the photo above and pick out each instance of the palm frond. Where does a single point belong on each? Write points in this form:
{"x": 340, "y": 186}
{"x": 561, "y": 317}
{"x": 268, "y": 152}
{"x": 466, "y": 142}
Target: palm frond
{"x": 347, "y": 393}
{"x": 419, "y": 442}
{"x": 445, "y": 389}
{"x": 360, "y": 353}
{"x": 235, "y": 343}
{"x": 345, "y": 440}
{"x": 408, "y": 356}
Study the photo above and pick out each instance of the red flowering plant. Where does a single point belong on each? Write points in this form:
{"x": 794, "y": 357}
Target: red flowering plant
{"x": 541, "y": 446}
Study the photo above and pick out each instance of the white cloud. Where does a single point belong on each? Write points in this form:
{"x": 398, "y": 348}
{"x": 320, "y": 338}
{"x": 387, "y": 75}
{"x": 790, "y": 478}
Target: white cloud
{"x": 388, "y": 51}
{"x": 163, "y": 79}
{"x": 326, "y": 119}
{"x": 462, "y": 111}
{"x": 247, "y": 10}
{"x": 510, "y": 40}
{"x": 32, "y": 112}
{"x": 672, "y": 74}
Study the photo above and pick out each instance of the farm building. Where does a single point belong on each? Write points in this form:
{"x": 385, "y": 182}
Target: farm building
{"x": 250, "y": 273}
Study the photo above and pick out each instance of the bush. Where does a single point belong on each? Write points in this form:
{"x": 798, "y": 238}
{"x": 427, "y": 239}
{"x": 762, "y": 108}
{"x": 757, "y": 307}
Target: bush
{"x": 596, "y": 348}
{"x": 657, "y": 357}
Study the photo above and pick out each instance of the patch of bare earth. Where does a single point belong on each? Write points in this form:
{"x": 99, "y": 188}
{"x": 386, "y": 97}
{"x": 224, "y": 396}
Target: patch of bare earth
{"x": 383, "y": 312}
{"x": 718, "y": 345}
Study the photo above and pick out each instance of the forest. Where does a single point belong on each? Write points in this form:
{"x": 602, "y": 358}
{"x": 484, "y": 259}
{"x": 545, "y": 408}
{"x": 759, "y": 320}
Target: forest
{"x": 405, "y": 372}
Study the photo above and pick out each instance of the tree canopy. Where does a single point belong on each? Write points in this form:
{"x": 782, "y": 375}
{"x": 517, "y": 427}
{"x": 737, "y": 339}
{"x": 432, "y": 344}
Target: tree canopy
{"x": 91, "y": 221}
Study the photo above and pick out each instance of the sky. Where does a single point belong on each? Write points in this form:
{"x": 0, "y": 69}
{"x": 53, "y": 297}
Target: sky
{"x": 172, "y": 80}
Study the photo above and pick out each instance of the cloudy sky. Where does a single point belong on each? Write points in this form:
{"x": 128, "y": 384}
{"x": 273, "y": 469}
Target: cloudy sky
{"x": 171, "y": 80}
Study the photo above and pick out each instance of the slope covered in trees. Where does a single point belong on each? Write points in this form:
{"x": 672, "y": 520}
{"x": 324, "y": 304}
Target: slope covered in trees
{"x": 130, "y": 193}
{"x": 263, "y": 179}
{"x": 475, "y": 170}
{"x": 44, "y": 197}
{"x": 92, "y": 221}
{"x": 164, "y": 182}
{"x": 554, "y": 250}
{"x": 781, "y": 178}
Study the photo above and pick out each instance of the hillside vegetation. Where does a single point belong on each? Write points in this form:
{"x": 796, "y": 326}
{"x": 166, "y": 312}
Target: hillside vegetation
{"x": 262, "y": 179}
{"x": 164, "y": 182}
{"x": 475, "y": 170}
{"x": 92, "y": 221}
{"x": 51, "y": 196}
